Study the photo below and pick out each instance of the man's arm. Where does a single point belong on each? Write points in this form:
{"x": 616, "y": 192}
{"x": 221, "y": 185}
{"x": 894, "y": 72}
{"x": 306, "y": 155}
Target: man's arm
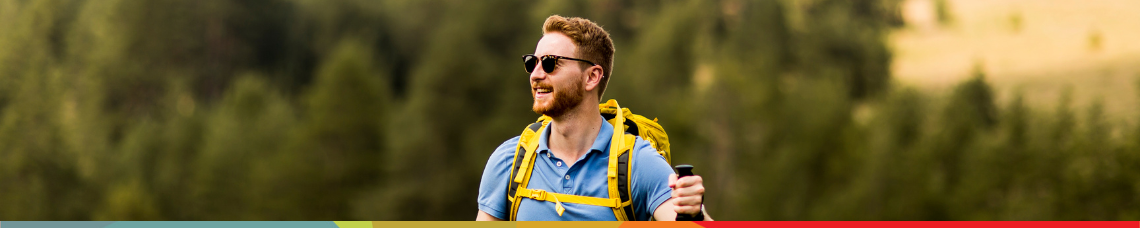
{"x": 666, "y": 212}
{"x": 483, "y": 216}
{"x": 493, "y": 184}
{"x": 687, "y": 198}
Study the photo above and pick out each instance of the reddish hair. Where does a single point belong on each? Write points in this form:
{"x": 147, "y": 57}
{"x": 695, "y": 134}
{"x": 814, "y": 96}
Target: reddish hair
{"x": 594, "y": 43}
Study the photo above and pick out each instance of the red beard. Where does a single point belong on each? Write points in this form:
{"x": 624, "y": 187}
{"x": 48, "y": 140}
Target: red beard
{"x": 564, "y": 100}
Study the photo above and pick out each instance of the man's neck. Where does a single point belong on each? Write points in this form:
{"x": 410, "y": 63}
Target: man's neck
{"x": 573, "y": 133}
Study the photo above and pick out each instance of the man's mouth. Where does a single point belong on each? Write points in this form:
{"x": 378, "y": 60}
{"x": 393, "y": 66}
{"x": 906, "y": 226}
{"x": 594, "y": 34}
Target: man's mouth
{"x": 542, "y": 92}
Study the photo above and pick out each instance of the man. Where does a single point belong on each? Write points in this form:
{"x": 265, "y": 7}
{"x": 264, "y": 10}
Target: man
{"x": 568, "y": 74}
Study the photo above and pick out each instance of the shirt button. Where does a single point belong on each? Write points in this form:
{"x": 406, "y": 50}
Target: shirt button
{"x": 559, "y": 164}
{"x": 567, "y": 177}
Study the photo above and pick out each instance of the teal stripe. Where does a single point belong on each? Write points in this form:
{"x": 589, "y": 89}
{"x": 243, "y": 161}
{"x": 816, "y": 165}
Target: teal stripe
{"x": 56, "y": 224}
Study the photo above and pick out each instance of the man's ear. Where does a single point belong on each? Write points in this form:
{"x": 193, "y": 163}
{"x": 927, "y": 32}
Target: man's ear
{"x": 593, "y": 77}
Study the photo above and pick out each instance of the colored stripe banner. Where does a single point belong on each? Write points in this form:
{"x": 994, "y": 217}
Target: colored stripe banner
{"x": 716, "y": 224}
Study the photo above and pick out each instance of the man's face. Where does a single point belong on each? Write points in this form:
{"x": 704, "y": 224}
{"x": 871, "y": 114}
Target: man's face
{"x": 556, "y": 92}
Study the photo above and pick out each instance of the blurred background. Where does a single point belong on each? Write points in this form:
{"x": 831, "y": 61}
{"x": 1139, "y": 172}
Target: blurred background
{"x": 388, "y": 110}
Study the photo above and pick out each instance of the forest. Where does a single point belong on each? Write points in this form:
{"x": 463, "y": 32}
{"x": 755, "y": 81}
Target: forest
{"x": 389, "y": 110}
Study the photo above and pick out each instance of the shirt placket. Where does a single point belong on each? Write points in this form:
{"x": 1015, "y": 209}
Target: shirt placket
{"x": 563, "y": 170}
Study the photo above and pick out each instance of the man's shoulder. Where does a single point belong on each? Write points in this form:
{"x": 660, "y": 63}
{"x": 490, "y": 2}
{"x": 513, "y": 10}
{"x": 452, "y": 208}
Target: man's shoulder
{"x": 510, "y": 144}
{"x": 650, "y": 178}
{"x": 506, "y": 150}
{"x": 492, "y": 186}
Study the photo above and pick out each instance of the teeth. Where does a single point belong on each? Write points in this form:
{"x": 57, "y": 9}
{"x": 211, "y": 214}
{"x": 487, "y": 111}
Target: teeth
{"x": 543, "y": 90}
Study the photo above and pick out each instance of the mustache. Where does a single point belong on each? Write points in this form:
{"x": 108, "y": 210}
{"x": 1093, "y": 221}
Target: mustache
{"x": 541, "y": 85}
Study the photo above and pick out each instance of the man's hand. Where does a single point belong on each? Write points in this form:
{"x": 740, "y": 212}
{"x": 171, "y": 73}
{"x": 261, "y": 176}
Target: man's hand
{"x": 688, "y": 194}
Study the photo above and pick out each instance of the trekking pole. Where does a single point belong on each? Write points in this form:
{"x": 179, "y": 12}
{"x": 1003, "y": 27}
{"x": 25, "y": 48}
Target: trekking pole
{"x": 683, "y": 171}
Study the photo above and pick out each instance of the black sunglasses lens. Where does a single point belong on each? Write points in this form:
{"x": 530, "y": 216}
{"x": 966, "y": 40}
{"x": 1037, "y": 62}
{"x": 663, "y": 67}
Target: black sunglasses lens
{"x": 529, "y": 62}
{"x": 548, "y": 64}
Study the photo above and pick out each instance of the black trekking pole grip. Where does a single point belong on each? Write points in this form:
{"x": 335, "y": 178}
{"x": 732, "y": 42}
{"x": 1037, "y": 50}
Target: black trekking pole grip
{"x": 683, "y": 171}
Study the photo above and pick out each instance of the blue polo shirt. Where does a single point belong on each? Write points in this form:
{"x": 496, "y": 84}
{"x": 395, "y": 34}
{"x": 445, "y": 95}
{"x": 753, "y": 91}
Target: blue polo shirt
{"x": 587, "y": 177}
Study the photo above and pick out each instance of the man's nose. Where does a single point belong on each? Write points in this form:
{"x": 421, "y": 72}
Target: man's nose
{"x": 537, "y": 73}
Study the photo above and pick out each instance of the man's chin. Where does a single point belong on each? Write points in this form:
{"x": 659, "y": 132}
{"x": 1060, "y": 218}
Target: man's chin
{"x": 540, "y": 109}
{"x": 545, "y": 108}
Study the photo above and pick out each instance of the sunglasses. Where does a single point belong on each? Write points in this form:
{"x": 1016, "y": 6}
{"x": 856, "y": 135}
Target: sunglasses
{"x": 549, "y": 62}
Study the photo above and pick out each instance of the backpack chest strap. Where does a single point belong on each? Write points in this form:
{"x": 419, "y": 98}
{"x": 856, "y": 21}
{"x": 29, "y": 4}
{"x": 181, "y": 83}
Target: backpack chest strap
{"x": 543, "y": 195}
{"x": 559, "y": 198}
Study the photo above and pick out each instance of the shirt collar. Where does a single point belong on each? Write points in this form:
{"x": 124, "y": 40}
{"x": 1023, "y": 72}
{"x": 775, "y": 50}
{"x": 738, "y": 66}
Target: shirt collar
{"x": 601, "y": 142}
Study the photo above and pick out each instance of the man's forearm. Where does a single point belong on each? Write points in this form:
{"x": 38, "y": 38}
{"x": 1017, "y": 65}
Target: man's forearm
{"x": 666, "y": 212}
{"x": 483, "y": 216}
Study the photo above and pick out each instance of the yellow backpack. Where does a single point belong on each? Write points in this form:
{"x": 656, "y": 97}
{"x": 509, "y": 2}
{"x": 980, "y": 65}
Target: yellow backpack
{"x": 626, "y": 127}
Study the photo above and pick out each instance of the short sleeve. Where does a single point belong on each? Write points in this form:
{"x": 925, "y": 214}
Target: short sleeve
{"x": 650, "y": 180}
{"x": 493, "y": 185}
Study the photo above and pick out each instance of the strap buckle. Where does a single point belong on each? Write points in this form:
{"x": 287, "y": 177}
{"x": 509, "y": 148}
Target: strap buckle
{"x": 537, "y": 194}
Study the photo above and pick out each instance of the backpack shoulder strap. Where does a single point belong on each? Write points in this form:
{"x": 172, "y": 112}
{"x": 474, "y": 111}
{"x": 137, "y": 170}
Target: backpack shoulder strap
{"x": 621, "y": 145}
{"x": 523, "y": 163}
{"x": 622, "y": 184}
